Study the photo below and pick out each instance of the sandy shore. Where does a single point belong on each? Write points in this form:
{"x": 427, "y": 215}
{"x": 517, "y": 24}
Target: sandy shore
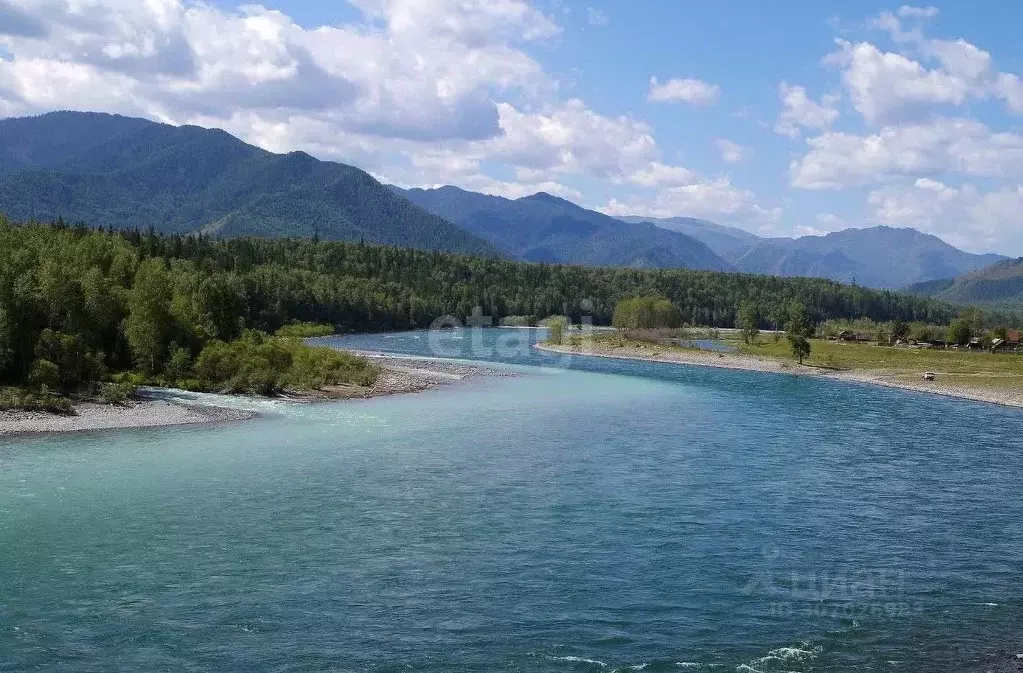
{"x": 752, "y": 363}
{"x": 137, "y": 414}
{"x": 399, "y": 375}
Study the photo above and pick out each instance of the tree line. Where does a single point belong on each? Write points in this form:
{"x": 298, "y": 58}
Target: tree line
{"x": 90, "y": 300}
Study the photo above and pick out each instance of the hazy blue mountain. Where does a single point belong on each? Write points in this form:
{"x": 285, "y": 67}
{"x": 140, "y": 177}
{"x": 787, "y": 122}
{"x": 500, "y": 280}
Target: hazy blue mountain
{"x": 122, "y": 172}
{"x": 724, "y": 240}
{"x": 998, "y": 284}
{"x": 545, "y": 228}
{"x": 882, "y": 257}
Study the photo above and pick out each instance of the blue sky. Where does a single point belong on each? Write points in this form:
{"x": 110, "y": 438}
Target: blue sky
{"x": 783, "y": 118}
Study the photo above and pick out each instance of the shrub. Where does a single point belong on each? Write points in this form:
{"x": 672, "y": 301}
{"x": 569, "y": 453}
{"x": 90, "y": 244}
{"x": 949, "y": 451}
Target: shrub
{"x": 304, "y": 330}
{"x": 44, "y": 375}
{"x": 117, "y": 393}
{"x": 262, "y": 365}
{"x": 27, "y": 401}
{"x": 556, "y": 330}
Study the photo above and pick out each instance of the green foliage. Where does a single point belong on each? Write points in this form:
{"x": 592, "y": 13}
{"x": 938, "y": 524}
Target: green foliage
{"x": 556, "y": 330}
{"x": 117, "y": 393}
{"x": 960, "y": 331}
{"x": 93, "y": 301}
{"x": 266, "y": 365}
{"x": 23, "y": 400}
{"x": 798, "y": 331}
{"x": 900, "y": 330}
{"x": 747, "y": 321}
{"x": 518, "y": 321}
{"x": 147, "y": 327}
{"x": 304, "y": 330}
{"x": 44, "y": 375}
{"x": 128, "y": 173}
{"x": 646, "y": 312}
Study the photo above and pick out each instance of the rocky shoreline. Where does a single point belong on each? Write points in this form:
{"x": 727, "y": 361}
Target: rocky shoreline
{"x": 752, "y": 363}
{"x": 398, "y": 376}
{"x": 135, "y": 414}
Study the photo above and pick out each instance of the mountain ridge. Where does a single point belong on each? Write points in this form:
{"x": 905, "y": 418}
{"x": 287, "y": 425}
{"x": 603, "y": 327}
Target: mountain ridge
{"x": 879, "y": 256}
{"x": 1000, "y": 284}
{"x": 127, "y": 172}
{"x": 545, "y": 228}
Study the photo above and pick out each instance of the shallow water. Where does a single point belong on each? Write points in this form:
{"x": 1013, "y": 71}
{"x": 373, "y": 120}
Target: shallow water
{"x": 602, "y": 517}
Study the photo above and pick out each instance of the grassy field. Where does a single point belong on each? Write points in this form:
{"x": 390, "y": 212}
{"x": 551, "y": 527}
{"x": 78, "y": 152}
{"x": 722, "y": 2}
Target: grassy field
{"x": 859, "y": 356}
{"x": 977, "y": 369}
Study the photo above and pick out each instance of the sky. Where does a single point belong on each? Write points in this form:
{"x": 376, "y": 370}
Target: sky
{"x": 785, "y": 119}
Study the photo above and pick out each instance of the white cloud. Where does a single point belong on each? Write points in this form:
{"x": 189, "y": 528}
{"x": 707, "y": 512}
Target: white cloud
{"x": 733, "y": 152}
{"x": 799, "y": 111}
{"x": 964, "y": 216}
{"x": 421, "y": 70}
{"x": 715, "y": 199}
{"x": 908, "y": 11}
{"x": 596, "y": 17}
{"x": 570, "y": 138}
{"x": 415, "y": 91}
{"x": 692, "y": 91}
{"x": 889, "y": 87}
{"x": 962, "y": 146}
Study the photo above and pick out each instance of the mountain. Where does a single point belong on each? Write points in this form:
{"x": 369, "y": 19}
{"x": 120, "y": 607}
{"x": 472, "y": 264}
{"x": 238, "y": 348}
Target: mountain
{"x": 123, "y": 172}
{"x": 880, "y": 257}
{"x": 545, "y": 228}
{"x": 725, "y": 241}
{"x": 998, "y": 284}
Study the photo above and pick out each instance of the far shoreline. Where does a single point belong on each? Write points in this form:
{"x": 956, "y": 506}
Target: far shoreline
{"x": 752, "y": 363}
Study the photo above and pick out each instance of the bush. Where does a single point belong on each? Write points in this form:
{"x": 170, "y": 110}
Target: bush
{"x": 266, "y": 365}
{"x": 117, "y": 393}
{"x": 304, "y": 330}
{"x": 22, "y": 400}
{"x": 556, "y": 330}
{"x": 44, "y": 375}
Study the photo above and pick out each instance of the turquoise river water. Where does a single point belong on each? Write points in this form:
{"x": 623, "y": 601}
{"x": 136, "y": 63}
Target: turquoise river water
{"x": 583, "y": 516}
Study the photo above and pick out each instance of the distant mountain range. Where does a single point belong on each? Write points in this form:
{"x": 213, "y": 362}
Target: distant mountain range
{"x": 123, "y": 172}
{"x": 998, "y": 284}
{"x": 724, "y": 240}
{"x": 881, "y": 257}
{"x": 545, "y": 228}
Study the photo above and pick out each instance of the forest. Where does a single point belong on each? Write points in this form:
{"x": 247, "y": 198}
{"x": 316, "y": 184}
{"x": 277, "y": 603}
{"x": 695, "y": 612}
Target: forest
{"x": 93, "y": 303}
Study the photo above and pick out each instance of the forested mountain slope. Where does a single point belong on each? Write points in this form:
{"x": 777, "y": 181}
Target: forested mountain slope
{"x": 132, "y": 173}
{"x": 546, "y": 228}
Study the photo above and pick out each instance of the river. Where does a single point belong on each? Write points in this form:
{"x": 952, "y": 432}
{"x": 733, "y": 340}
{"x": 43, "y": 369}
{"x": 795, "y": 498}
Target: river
{"x": 584, "y": 516}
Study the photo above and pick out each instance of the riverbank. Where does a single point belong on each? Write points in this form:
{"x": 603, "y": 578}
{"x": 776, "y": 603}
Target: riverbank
{"x": 402, "y": 375}
{"x": 398, "y": 376}
{"x": 135, "y": 414}
{"x": 889, "y": 378}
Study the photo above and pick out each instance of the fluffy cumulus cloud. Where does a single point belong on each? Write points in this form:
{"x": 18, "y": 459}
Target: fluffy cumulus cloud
{"x": 925, "y": 161}
{"x": 964, "y": 215}
{"x": 418, "y": 92}
{"x": 716, "y": 199}
{"x": 799, "y": 111}
{"x": 688, "y": 90}
{"x": 960, "y": 146}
